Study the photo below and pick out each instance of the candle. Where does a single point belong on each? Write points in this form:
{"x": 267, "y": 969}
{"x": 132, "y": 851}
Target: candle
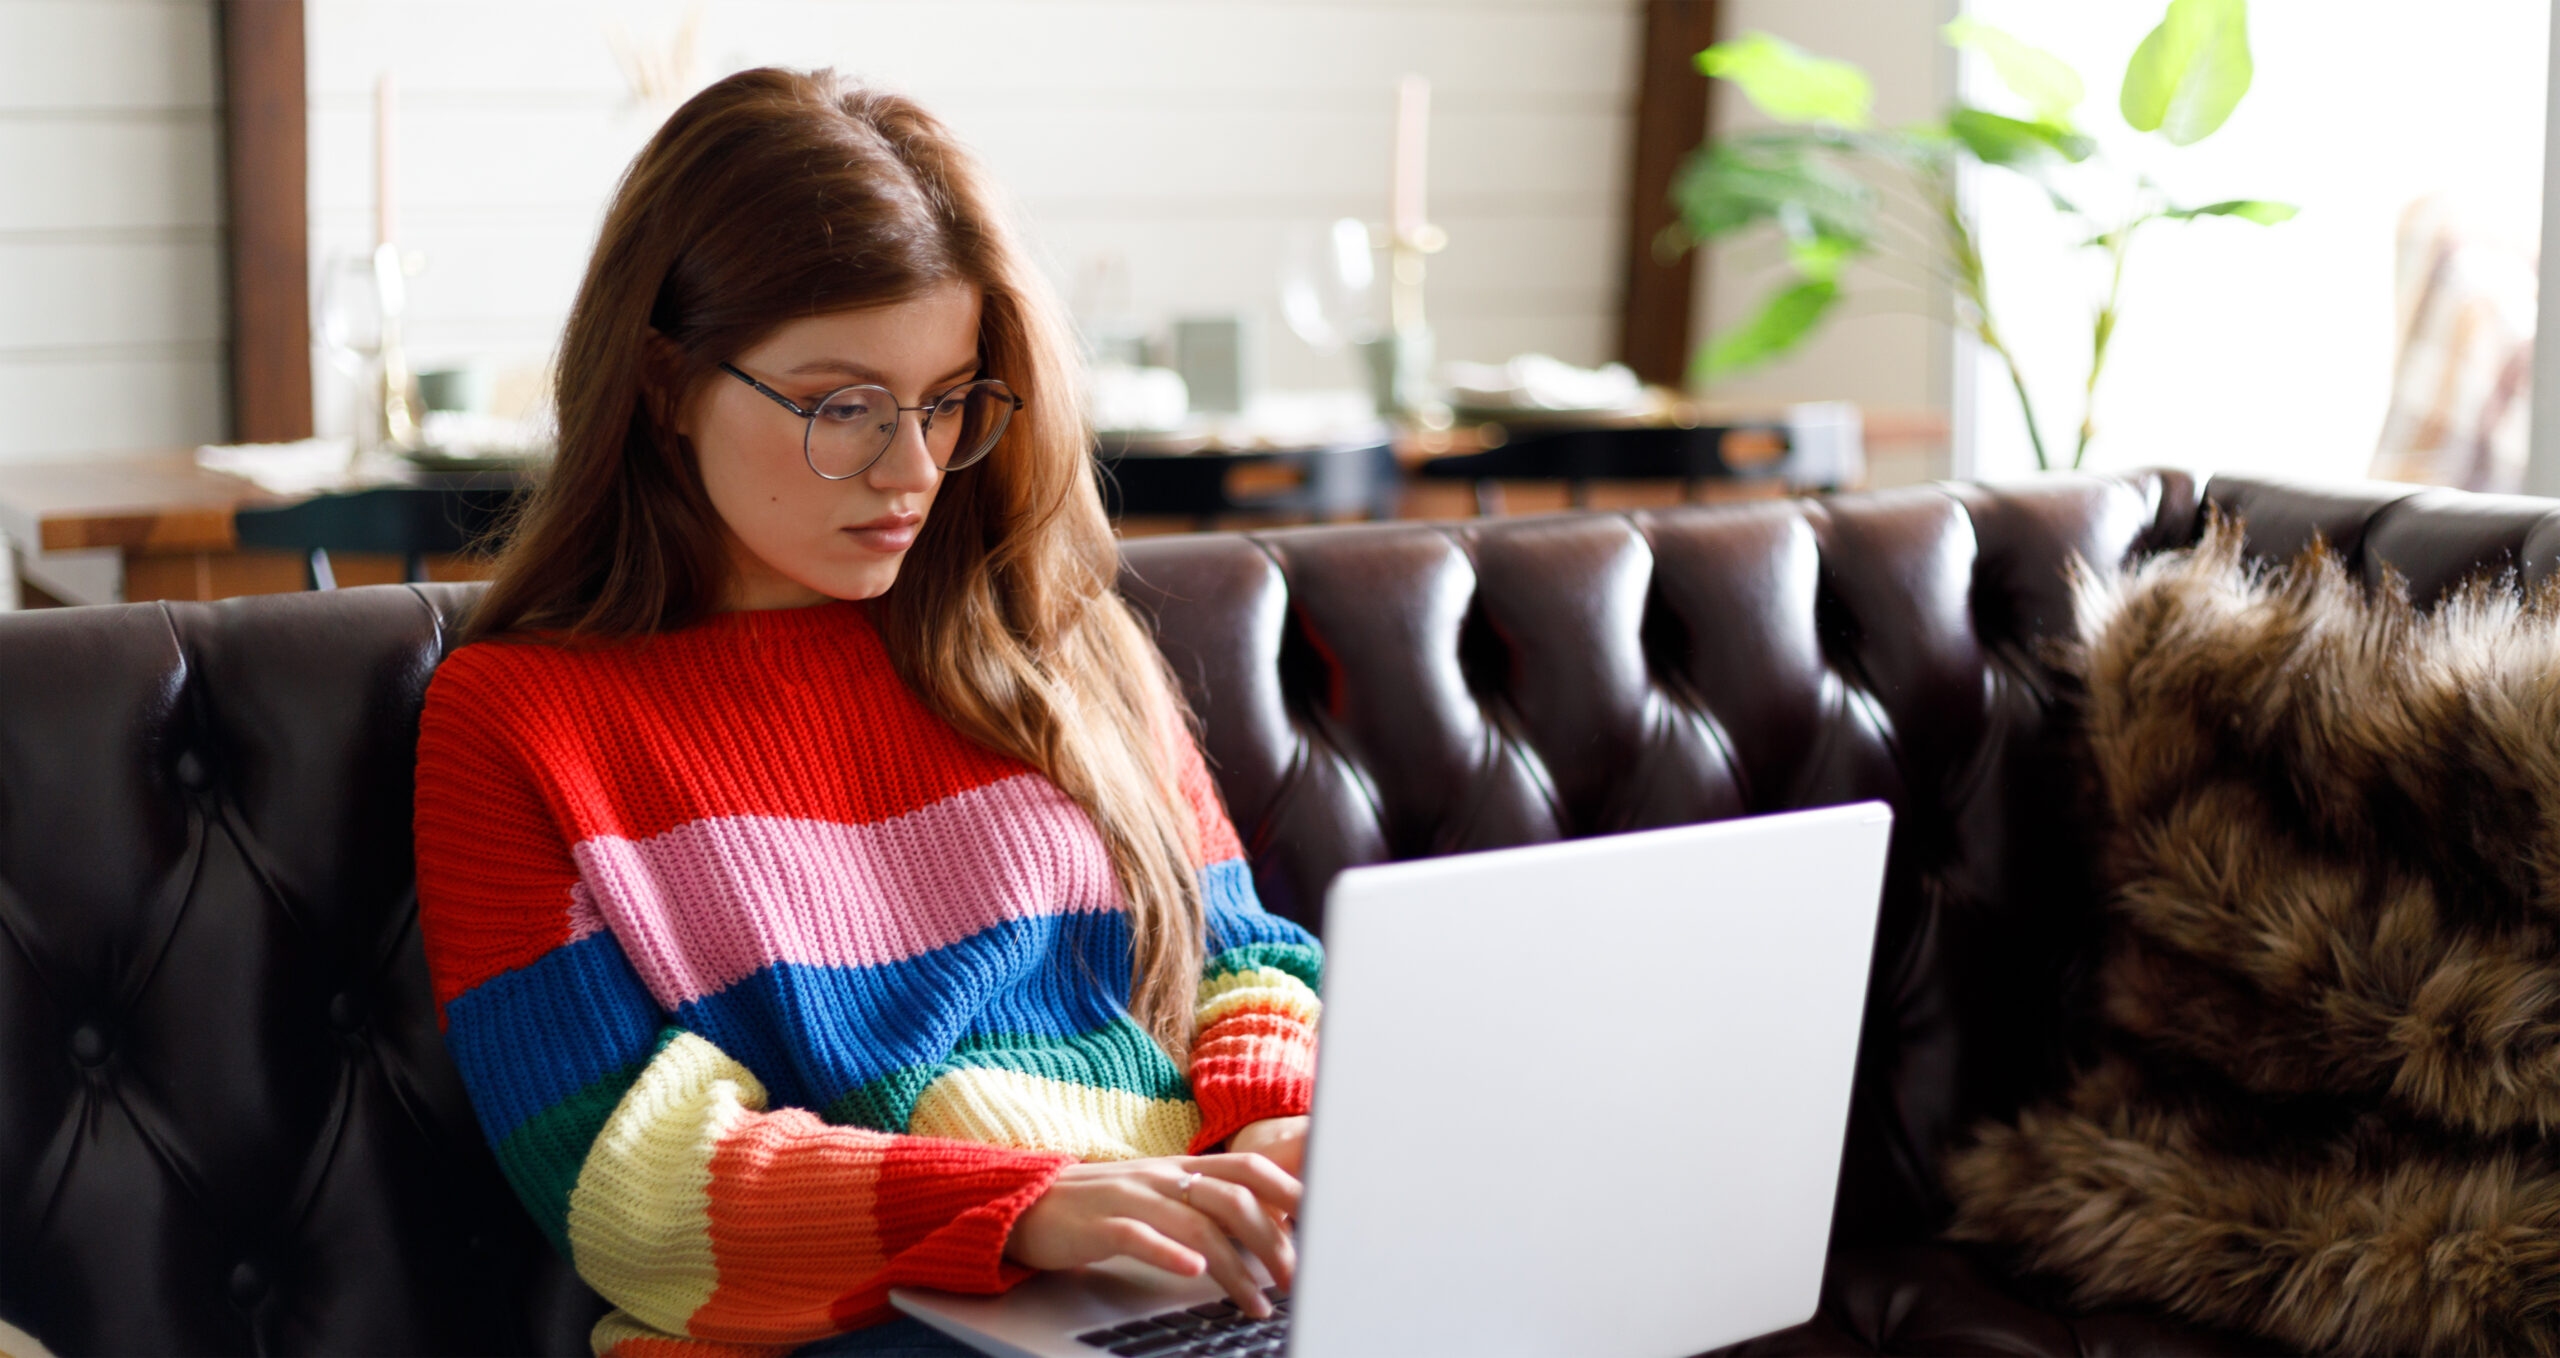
{"x": 1413, "y": 135}
{"x": 386, "y": 216}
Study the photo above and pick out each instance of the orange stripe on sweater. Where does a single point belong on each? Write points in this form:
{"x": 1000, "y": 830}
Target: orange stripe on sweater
{"x": 1256, "y": 1021}
{"x": 788, "y": 1246}
{"x": 656, "y": 1346}
{"x": 1253, "y": 1056}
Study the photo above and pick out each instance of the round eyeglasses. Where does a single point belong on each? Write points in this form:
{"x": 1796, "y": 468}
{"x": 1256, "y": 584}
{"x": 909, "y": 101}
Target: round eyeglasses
{"x": 849, "y": 428}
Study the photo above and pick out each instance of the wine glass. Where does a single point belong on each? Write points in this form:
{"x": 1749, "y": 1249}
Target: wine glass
{"x": 351, "y": 329}
{"x": 1329, "y": 292}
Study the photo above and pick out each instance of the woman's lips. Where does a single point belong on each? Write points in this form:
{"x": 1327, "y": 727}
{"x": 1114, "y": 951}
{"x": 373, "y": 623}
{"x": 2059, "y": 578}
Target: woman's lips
{"x": 887, "y": 536}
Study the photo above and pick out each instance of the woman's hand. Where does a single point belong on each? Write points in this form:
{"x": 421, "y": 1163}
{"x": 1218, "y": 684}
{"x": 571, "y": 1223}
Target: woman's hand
{"x": 1176, "y": 1212}
{"x": 1282, "y": 1141}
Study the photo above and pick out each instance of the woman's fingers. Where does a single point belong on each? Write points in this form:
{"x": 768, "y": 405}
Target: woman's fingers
{"x": 1260, "y": 1196}
{"x": 1190, "y": 1226}
{"x": 1139, "y": 1209}
{"x": 1276, "y": 1187}
{"x": 1235, "y": 1210}
{"x": 1144, "y": 1243}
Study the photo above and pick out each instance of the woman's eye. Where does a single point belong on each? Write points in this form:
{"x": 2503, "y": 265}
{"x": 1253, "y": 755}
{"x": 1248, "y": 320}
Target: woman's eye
{"x": 950, "y": 406}
{"x": 845, "y": 408}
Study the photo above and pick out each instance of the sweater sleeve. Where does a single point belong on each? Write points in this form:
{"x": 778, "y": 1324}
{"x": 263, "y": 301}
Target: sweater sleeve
{"x": 653, "y": 1159}
{"x": 1253, "y": 1051}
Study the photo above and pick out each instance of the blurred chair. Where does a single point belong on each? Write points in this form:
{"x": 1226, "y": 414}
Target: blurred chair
{"x": 2462, "y": 382}
{"x": 412, "y": 522}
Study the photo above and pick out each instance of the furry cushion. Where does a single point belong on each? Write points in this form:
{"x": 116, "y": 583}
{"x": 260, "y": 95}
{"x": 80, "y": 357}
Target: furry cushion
{"x": 2330, "y": 990}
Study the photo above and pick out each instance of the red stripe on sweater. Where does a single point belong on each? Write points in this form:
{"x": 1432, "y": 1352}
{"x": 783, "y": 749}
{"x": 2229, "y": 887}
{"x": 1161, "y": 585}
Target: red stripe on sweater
{"x": 827, "y": 729}
{"x": 1218, "y": 841}
{"x": 1248, "y": 1067}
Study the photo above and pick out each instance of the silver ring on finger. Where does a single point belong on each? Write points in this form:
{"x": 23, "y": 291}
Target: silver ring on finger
{"x": 1182, "y": 1186}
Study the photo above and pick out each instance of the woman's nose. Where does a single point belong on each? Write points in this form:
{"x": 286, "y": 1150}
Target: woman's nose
{"x": 908, "y": 465}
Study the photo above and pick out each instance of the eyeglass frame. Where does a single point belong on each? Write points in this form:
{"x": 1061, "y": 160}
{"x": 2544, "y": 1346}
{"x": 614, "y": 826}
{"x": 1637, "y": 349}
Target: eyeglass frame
{"x": 924, "y": 418}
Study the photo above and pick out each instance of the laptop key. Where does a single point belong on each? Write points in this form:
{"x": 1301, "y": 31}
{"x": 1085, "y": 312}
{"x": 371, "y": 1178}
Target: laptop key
{"x": 1154, "y": 1343}
{"x": 1100, "y": 1339}
{"x": 1216, "y": 1310}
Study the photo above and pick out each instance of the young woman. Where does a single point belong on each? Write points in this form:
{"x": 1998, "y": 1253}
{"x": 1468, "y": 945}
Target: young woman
{"x": 822, "y": 889}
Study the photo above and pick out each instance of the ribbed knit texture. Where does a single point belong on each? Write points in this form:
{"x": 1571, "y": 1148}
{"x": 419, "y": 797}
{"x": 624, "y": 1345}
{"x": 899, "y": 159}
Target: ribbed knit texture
{"x": 772, "y": 992}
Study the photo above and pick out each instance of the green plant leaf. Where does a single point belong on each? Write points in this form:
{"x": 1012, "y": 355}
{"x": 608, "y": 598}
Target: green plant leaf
{"x": 1744, "y": 181}
{"x": 2258, "y": 210}
{"x": 1821, "y": 257}
{"x": 1789, "y": 83}
{"x": 2190, "y": 73}
{"x": 1997, "y": 140}
{"x": 2045, "y": 81}
{"x": 1783, "y": 321}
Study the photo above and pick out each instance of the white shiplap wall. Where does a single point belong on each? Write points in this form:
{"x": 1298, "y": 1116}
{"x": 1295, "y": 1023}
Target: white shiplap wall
{"x": 1185, "y": 138}
{"x": 1888, "y": 347}
{"x": 111, "y": 264}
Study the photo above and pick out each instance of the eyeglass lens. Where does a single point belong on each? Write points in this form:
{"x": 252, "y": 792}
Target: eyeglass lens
{"x": 853, "y": 426}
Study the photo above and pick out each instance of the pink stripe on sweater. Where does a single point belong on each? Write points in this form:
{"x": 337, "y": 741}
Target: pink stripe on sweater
{"x": 585, "y": 915}
{"x": 707, "y": 904}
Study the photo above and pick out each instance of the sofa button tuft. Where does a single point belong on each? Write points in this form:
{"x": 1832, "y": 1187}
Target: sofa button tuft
{"x": 193, "y": 774}
{"x": 248, "y": 1283}
{"x": 89, "y": 1045}
{"x": 346, "y": 1012}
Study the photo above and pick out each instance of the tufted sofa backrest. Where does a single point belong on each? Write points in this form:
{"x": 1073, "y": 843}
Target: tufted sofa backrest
{"x": 227, "y": 1124}
{"x": 1397, "y": 690}
{"x": 227, "y": 1121}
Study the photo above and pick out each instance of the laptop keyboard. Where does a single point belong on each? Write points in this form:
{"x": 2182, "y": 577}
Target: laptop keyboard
{"x": 1212, "y": 1327}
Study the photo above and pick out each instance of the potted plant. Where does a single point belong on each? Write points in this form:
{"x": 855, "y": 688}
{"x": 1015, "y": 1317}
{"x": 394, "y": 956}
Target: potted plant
{"x": 1824, "y": 179}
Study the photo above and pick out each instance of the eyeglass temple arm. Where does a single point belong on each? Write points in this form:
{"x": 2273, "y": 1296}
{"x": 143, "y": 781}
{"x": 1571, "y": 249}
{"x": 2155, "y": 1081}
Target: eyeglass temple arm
{"x": 788, "y": 404}
{"x": 776, "y": 397}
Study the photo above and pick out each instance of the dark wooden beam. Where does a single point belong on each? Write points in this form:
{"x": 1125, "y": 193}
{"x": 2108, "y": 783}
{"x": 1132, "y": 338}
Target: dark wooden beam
{"x": 266, "y": 149}
{"x": 1671, "y": 120}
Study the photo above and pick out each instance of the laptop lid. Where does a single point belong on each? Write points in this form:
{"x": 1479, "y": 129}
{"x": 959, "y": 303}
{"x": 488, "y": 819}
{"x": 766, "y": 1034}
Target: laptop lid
{"x": 1587, "y": 1098}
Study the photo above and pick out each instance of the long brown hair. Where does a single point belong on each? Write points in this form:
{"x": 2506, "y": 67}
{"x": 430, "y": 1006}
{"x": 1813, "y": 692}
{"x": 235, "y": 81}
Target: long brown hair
{"x": 774, "y": 195}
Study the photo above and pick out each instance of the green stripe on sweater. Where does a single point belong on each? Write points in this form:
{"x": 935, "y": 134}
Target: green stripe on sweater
{"x": 1297, "y": 959}
{"x": 1117, "y": 1056}
{"x": 542, "y": 1158}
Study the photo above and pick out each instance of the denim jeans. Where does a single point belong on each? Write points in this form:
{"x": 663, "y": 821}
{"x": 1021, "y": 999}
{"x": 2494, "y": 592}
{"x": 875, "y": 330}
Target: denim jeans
{"x": 905, "y": 1337}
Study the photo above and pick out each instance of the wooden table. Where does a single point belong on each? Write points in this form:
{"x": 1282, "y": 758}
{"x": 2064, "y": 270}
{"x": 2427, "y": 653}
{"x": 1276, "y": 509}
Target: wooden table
{"x": 158, "y": 527}
{"x": 1195, "y": 488}
{"x": 1902, "y": 447}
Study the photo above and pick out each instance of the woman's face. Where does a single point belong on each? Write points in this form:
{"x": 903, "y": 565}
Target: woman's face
{"x": 793, "y": 536}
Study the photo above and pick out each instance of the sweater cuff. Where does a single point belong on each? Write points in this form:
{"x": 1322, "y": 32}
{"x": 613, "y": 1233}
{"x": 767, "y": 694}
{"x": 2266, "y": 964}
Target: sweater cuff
{"x": 1243, "y": 1078}
{"x": 966, "y": 1253}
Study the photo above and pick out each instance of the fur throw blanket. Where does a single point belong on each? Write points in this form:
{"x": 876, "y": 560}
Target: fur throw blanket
{"x": 2330, "y": 989}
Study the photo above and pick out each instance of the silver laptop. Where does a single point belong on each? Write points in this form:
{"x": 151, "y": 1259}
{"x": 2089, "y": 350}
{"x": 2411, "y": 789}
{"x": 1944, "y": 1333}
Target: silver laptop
{"x": 1578, "y": 1099}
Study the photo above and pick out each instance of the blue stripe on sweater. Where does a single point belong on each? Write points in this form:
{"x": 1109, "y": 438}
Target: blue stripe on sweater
{"x": 1235, "y": 915}
{"x": 815, "y": 1033}
{"x": 529, "y": 1038}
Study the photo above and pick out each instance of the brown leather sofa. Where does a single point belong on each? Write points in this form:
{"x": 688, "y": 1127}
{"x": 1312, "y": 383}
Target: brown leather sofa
{"x": 227, "y": 1124}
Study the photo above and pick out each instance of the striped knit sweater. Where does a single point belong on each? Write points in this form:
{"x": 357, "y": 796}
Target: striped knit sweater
{"x": 772, "y": 992}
